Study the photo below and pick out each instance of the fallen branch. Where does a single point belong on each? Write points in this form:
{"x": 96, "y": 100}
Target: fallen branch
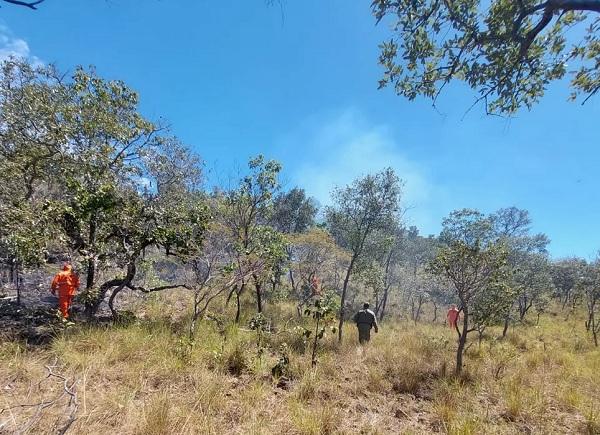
{"x": 73, "y": 402}
{"x": 68, "y": 390}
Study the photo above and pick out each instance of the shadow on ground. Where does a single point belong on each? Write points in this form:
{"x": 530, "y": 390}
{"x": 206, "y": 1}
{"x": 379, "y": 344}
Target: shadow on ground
{"x": 35, "y": 326}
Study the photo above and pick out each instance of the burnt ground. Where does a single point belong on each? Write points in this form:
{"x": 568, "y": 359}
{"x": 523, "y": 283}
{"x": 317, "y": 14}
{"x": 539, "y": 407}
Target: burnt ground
{"x": 38, "y": 313}
{"x": 34, "y": 326}
{"x": 35, "y": 320}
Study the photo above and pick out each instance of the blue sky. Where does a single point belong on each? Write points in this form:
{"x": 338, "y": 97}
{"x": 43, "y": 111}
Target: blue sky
{"x": 298, "y": 83}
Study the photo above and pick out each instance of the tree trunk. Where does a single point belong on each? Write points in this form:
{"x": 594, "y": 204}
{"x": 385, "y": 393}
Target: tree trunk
{"x": 506, "y": 323}
{"x": 314, "y": 347}
{"x": 195, "y": 315}
{"x": 91, "y": 268}
{"x": 18, "y": 285}
{"x": 567, "y": 296}
{"x": 238, "y": 311}
{"x": 435, "y": 308}
{"x": 521, "y": 310}
{"x": 524, "y": 306}
{"x": 386, "y": 285}
{"x": 91, "y": 274}
{"x": 343, "y": 298}
{"x": 111, "y": 300}
{"x": 419, "y": 306}
{"x": 592, "y": 320}
{"x": 258, "y": 287}
{"x": 118, "y": 284}
{"x": 292, "y": 280}
{"x": 91, "y": 307}
{"x": 259, "y": 304}
{"x": 480, "y": 336}
{"x": 384, "y": 303}
{"x": 462, "y": 341}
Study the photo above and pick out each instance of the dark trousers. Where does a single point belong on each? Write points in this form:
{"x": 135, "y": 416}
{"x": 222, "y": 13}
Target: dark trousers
{"x": 364, "y": 333}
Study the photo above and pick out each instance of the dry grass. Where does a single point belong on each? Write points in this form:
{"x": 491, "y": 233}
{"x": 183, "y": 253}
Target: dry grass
{"x": 142, "y": 379}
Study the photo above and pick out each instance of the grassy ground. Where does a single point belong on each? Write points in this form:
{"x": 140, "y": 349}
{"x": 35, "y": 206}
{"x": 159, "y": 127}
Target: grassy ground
{"x": 144, "y": 378}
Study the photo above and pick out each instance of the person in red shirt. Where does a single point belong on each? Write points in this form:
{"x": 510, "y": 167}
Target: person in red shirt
{"x": 453, "y": 316}
{"x": 315, "y": 284}
{"x": 65, "y": 283}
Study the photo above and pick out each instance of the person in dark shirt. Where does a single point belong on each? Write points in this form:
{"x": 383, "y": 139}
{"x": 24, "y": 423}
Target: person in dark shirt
{"x": 365, "y": 319}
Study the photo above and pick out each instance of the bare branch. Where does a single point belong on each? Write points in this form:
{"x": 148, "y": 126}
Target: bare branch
{"x": 30, "y": 5}
{"x": 68, "y": 389}
{"x": 159, "y": 288}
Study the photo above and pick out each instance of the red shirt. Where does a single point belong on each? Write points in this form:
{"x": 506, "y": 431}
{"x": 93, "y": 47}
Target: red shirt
{"x": 452, "y": 315}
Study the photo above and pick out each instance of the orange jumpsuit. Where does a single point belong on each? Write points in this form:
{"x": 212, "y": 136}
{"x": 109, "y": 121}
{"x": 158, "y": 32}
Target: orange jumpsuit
{"x": 452, "y": 317}
{"x": 66, "y": 284}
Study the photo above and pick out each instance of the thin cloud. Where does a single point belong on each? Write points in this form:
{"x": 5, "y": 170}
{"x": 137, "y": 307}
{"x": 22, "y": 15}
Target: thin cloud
{"x": 347, "y": 146}
{"x": 12, "y": 46}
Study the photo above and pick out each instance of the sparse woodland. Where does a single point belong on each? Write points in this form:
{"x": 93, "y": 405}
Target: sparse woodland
{"x": 228, "y": 309}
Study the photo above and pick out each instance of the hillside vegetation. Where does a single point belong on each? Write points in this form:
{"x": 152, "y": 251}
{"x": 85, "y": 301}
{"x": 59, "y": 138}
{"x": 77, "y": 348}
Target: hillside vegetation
{"x": 142, "y": 378}
{"x": 229, "y": 309}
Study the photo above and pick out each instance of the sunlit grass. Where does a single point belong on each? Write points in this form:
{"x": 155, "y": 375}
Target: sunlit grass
{"x": 144, "y": 378}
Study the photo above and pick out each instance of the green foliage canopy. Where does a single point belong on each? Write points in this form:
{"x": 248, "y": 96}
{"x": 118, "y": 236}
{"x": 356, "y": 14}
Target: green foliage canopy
{"x": 506, "y": 51}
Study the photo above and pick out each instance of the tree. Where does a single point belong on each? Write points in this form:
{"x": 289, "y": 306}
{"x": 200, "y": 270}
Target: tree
{"x": 82, "y": 161}
{"x": 491, "y": 305}
{"x": 439, "y": 295}
{"x": 369, "y": 204}
{"x": 417, "y": 252}
{"x": 533, "y": 283}
{"x": 527, "y": 258}
{"x": 373, "y": 278}
{"x": 245, "y": 212}
{"x": 507, "y": 52}
{"x": 293, "y": 211}
{"x": 314, "y": 253}
{"x": 381, "y": 266}
{"x": 170, "y": 218}
{"x": 30, "y": 156}
{"x": 127, "y": 187}
{"x": 24, "y": 235}
{"x": 476, "y": 266}
{"x": 566, "y": 274}
{"x": 210, "y": 274}
{"x": 590, "y": 283}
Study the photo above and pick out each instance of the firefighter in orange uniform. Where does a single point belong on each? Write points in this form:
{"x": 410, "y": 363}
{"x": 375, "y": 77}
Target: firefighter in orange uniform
{"x": 66, "y": 283}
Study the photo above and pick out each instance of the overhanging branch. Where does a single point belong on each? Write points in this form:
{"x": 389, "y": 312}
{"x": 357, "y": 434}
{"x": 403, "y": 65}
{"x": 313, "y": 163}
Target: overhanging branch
{"x": 550, "y": 8}
{"x": 30, "y": 5}
{"x": 533, "y": 33}
{"x": 576, "y": 5}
